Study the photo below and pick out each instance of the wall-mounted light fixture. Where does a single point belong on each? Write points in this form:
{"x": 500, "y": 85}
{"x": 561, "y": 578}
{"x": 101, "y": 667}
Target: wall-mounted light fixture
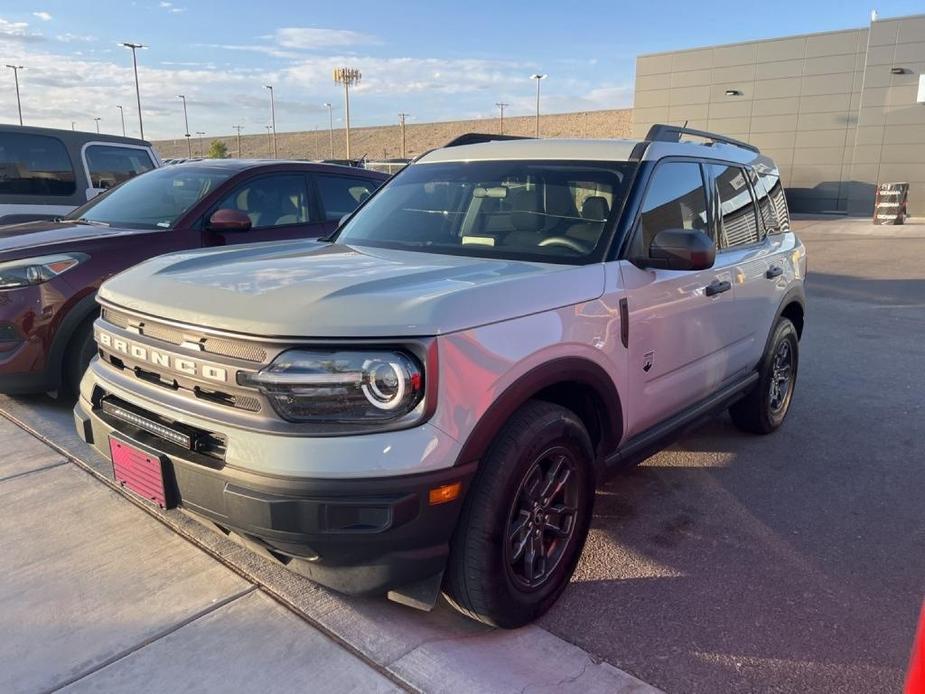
{"x": 733, "y": 92}
{"x": 898, "y": 70}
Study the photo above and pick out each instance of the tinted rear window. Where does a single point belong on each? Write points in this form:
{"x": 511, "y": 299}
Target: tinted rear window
{"x": 35, "y": 165}
{"x": 109, "y": 166}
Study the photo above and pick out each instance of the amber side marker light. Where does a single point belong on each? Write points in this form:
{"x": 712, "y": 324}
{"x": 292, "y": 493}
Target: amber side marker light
{"x": 444, "y": 493}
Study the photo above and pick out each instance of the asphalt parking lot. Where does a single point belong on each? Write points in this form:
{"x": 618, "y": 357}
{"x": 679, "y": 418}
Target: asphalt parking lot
{"x": 794, "y": 562}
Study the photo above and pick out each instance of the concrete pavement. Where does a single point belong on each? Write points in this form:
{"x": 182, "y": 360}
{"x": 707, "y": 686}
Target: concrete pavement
{"x": 97, "y": 595}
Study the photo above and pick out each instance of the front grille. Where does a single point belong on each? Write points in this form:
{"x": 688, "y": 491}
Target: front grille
{"x": 235, "y": 349}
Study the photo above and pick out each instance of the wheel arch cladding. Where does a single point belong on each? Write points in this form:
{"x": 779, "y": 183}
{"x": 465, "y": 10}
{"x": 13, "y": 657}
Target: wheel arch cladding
{"x": 793, "y": 310}
{"x": 575, "y": 383}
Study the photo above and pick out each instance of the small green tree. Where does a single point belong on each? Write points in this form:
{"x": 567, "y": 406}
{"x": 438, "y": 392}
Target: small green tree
{"x": 217, "y": 150}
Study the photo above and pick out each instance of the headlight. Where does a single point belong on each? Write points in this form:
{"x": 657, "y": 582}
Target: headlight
{"x": 345, "y": 387}
{"x": 29, "y": 271}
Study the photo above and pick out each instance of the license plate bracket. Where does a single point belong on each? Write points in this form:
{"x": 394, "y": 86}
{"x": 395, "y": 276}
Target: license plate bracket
{"x": 140, "y": 470}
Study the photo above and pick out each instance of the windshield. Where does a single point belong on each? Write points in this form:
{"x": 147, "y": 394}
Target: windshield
{"x": 530, "y": 210}
{"x": 154, "y": 200}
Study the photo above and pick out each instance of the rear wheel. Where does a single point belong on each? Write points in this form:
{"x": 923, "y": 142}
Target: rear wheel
{"x": 80, "y": 350}
{"x": 525, "y": 519}
{"x": 765, "y": 408}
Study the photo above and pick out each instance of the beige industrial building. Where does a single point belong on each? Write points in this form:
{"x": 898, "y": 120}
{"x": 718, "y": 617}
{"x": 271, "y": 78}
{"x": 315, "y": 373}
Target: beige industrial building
{"x": 839, "y": 111}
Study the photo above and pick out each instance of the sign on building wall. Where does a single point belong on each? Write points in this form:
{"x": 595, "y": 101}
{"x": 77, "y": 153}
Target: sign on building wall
{"x": 890, "y": 205}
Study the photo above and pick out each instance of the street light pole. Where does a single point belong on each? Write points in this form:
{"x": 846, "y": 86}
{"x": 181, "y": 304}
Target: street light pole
{"x": 273, "y": 119}
{"x": 401, "y": 117}
{"x": 202, "y": 152}
{"x": 538, "y": 78}
{"x": 501, "y": 107}
{"x": 330, "y": 108}
{"x": 122, "y": 116}
{"x": 135, "y": 47}
{"x": 16, "y": 69}
{"x": 73, "y": 125}
{"x": 347, "y": 76}
{"x": 269, "y": 141}
{"x": 238, "y": 128}
{"x": 189, "y": 144}
{"x": 97, "y": 119}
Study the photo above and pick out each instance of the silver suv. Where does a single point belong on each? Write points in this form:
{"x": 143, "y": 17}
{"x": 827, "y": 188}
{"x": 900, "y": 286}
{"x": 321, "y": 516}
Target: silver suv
{"x": 426, "y": 400}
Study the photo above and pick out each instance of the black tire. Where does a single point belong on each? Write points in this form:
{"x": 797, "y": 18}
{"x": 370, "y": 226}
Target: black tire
{"x": 484, "y": 578}
{"x": 764, "y": 409}
{"x": 80, "y": 350}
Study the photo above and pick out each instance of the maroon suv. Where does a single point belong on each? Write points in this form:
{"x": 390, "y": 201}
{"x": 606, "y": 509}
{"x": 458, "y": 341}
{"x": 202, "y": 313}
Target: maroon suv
{"x": 50, "y": 271}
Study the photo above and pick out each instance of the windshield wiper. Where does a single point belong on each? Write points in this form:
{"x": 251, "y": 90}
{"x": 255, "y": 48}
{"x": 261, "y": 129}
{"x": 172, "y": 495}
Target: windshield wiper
{"x": 92, "y": 222}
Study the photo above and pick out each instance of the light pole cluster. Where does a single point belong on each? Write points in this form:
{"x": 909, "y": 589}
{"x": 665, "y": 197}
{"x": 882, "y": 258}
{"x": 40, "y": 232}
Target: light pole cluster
{"x": 347, "y": 76}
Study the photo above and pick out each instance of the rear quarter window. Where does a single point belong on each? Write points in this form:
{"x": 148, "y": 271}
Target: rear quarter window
{"x": 109, "y": 165}
{"x": 35, "y": 165}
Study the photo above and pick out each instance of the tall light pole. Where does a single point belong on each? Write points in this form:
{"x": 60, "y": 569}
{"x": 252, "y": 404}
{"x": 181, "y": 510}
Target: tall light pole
{"x": 135, "y": 47}
{"x": 273, "y": 119}
{"x": 269, "y": 140}
{"x": 73, "y": 125}
{"x": 347, "y": 76}
{"x": 97, "y": 119}
{"x": 401, "y": 118}
{"x": 538, "y": 77}
{"x": 122, "y": 116}
{"x": 202, "y": 152}
{"x": 189, "y": 144}
{"x": 330, "y": 108}
{"x": 16, "y": 69}
{"x": 501, "y": 106}
{"x": 238, "y": 128}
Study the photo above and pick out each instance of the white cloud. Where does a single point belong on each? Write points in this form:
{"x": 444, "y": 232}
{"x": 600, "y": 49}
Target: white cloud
{"x": 44, "y": 16}
{"x": 170, "y": 7}
{"x": 70, "y": 38}
{"x": 312, "y": 38}
{"x": 18, "y": 32}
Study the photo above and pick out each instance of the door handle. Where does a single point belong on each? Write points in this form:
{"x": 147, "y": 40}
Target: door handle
{"x": 718, "y": 288}
{"x": 774, "y": 271}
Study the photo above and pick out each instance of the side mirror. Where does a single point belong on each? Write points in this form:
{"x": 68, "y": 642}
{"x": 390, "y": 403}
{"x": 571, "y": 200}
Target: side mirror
{"x": 229, "y": 220}
{"x": 681, "y": 249}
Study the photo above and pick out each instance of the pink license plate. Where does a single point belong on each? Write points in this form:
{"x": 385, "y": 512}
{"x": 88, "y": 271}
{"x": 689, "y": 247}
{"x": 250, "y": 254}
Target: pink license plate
{"x": 141, "y": 472}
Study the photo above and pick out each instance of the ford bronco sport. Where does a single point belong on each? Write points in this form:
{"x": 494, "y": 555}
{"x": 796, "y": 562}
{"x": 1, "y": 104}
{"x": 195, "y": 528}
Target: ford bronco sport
{"x": 427, "y": 399}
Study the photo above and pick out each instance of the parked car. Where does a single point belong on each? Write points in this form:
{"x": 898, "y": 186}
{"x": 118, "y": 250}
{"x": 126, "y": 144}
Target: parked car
{"x": 429, "y": 399}
{"x": 50, "y": 270}
{"x": 46, "y": 173}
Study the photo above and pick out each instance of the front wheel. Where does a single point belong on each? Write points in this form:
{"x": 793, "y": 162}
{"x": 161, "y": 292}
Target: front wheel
{"x": 525, "y": 519}
{"x": 764, "y": 409}
{"x": 80, "y": 351}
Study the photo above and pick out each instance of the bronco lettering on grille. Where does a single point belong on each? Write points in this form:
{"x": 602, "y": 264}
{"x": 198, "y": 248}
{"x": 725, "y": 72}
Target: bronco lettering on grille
{"x": 183, "y": 365}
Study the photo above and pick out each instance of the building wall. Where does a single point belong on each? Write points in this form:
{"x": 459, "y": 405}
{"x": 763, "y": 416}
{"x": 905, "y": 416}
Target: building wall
{"x": 890, "y": 142}
{"x": 824, "y": 106}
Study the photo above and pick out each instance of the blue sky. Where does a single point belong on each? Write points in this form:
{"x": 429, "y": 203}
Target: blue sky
{"x": 435, "y": 60}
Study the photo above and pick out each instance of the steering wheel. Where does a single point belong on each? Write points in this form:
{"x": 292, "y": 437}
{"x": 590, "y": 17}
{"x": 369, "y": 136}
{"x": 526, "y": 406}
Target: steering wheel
{"x": 566, "y": 242}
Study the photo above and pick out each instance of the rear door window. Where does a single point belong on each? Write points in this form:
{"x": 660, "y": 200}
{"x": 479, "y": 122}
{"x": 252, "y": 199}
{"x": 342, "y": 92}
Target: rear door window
{"x": 35, "y": 165}
{"x": 738, "y": 217}
{"x": 340, "y": 195}
{"x": 110, "y": 165}
{"x": 272, "y": 201}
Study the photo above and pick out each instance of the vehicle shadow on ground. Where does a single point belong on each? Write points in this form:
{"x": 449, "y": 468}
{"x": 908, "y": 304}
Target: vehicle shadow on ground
{"x": 876, "y": 291}
{"x": 690, "y": 557}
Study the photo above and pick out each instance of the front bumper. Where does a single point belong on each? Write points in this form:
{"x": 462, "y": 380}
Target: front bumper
{"x": 357, "y": 536}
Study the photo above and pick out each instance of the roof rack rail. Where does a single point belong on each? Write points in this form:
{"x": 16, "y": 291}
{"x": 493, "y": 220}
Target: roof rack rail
{"x": 477, "y": 138}
{"x": 672, "y": 133}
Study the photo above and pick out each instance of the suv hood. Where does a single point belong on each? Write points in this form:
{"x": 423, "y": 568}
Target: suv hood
{"x": 312, "y": 289}
{"x": 16, "y": 238}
